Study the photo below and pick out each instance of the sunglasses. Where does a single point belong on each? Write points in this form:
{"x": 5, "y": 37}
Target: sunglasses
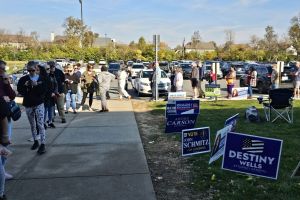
{"x": 69, "y": 70}
{"x": 47, "y": 68}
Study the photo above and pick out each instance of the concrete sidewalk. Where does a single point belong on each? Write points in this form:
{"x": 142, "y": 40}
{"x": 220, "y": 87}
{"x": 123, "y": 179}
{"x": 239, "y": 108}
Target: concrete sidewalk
{"x": 95, "y": 156}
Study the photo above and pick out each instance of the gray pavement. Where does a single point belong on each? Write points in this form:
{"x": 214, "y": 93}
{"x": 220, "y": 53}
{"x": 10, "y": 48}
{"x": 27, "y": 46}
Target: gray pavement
{"x": 93, "y": 156}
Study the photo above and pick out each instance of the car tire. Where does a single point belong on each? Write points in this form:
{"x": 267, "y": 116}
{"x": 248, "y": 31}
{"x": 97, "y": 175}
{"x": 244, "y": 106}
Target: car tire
{"x": 260, "y": 87}
{"x": 242, "y": 83}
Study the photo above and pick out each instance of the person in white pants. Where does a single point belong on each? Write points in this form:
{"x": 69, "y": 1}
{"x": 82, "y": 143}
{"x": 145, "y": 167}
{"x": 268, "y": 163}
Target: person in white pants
{"x": 122, "y": 77}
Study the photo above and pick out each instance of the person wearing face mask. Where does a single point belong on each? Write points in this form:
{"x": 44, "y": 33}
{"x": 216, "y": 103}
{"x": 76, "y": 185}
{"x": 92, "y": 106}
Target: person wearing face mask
{"x": 33, "y": 89}
{"x": 71, "y": 83}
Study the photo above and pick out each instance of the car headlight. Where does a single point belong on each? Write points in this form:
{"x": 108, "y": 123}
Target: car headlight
{"x": 145, "y": 84}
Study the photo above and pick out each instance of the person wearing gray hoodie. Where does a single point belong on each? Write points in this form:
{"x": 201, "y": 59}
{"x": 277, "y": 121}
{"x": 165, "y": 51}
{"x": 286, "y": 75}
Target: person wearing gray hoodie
{"x": 104, "y": 78}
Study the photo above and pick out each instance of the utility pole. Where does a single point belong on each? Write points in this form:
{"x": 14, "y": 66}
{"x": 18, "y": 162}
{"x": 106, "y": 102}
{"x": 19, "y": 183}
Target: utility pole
{"x": 80, "y": 1}
{"x": 81, "y": 35}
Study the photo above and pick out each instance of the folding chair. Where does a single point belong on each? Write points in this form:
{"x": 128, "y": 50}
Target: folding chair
{"x": 280, "y": 102}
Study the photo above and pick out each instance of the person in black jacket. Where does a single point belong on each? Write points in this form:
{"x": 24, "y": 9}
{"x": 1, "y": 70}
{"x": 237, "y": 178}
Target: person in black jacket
{"x": 71, "y": 83}
{"x": 50, "y": 97}
{"x": 33, "y": 88}
{"x": 60, "y": 79}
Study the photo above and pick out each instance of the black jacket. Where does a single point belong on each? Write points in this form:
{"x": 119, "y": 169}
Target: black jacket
{"x": 51, "y": 88}
{"x": 32, "y": 95}
{"x": 71, "y": 86}
{"x": 60, "y": 79}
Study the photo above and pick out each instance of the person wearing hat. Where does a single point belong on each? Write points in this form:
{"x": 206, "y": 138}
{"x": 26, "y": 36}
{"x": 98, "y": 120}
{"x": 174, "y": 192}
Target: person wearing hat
{"x": 33, "y": 89}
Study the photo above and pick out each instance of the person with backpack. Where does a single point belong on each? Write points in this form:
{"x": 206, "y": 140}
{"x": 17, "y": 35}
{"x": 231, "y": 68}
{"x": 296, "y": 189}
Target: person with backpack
{"x": 33, "y": 89}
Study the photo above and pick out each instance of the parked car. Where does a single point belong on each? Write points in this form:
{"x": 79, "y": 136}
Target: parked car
{"x": 142, "y": 83}
{"x": 207, "y": 66}
{"x": 186, "y": 70}
{"x": 61, "y": 61}
{"x": 263, "y": 82}
{"x": 239, "y": 68}
{"x": 164, "y": 65}
{"x": 135, "y": 68}
{"x": 114, "y": 68}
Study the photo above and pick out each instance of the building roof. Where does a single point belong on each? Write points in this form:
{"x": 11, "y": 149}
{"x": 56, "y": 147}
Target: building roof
{"x": 102, "y": 42}
{"x": 9, "y": 38}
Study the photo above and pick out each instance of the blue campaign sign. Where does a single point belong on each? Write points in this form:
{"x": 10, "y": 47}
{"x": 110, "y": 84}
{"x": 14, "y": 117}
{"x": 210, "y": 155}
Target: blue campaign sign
{"x": 170, "y": 109}
{"x": 219, "y": 144}
{"x": 177, "y": 123}
{"x": 232, "y": 121}
{"x": 195, "y": 141}
{"x": 254, "y": 155}
{"x": 187, "y": 106}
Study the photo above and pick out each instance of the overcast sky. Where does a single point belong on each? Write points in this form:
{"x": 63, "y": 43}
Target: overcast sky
{"x": 127, "y": 20}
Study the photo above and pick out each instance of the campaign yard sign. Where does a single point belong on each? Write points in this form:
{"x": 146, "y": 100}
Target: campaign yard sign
{"x": 254, "y": 155}
{"x": 173, "y": 96}
{"x": 212, "y": 90}
{"x": 232, "y": 121}
{"x": 177, "y": 123}
{"x": 195, "y": 141}
{"x": 239, "y": 93}
{"x": 219, "y": 144}
{"x": 170, "y": 109}
{"x": 187, "y": 107}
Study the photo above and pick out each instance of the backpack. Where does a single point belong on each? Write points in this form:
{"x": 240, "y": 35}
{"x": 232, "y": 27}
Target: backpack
{"x": 251, "y": 114}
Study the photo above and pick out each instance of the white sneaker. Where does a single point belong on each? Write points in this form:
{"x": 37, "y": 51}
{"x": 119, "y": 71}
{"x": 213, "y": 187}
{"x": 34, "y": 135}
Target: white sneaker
{"x": 8, "y": 176}
{"x": 79, "y": 109}
{"x": 38, "y": 137}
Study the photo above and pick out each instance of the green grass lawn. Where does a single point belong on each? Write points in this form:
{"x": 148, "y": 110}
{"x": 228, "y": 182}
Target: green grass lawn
{"x": 230, "y": 185}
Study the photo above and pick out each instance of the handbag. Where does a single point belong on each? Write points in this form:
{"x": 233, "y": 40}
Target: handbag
{"x": 14, "y": 110}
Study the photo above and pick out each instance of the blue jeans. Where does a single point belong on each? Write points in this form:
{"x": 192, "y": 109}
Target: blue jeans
{"x": 274, "y": 86}
{"x": 70, "y": 100}
{"x": 49, "y": 110}
{"x": 79, "y": 93}
{"x": 2, "y": 176}
{"x": 250, "y": 92}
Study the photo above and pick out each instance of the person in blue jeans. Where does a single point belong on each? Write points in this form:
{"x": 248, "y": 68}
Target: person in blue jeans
{"x": 50, "y": 97}
{"x": 71, "y": 84}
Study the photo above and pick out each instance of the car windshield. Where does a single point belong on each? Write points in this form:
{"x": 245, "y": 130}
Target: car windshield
{"x": 137, "y": 66}
{"x": 185, "y": 65}
{"x": 147, "y": 74}
{"x": 114, "y": 66}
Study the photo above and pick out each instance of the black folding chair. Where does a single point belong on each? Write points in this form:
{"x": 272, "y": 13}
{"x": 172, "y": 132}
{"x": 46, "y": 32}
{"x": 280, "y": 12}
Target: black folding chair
{"x": 280, "y": 102}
